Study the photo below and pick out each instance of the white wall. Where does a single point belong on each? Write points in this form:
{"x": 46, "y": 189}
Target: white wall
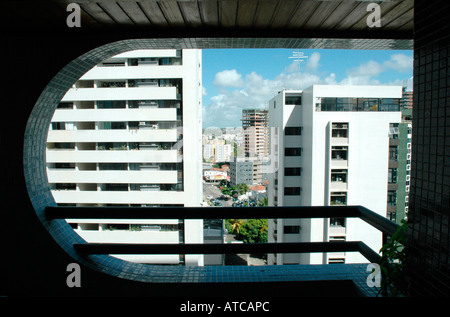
{"x": 191, "y": 196}
{"x": 368, "y": 149}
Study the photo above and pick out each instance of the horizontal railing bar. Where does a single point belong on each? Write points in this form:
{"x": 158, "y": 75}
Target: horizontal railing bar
{"x": 227, "y": 248}
{"x": 377, "y": 221}
{"x": 368, "y": 253}
{"x": 381, "y": 223}
{"x": 201, "y": 212}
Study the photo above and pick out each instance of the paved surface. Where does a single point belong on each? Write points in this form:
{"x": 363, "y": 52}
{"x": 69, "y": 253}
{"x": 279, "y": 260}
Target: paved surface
{"x": 212, "y": 190}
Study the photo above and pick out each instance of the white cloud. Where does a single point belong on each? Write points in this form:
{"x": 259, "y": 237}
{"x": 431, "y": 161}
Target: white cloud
{"x": 254, "y": 91}
{"x": 204, "y": 92}
{"x": 228, "y": 78}
{"x": 400, "y": 62}
{"x": 371, "y": 68}
{"x": 330, "y": 79}
{"x": 364, "y": 74}
{"x": 313, "y": 62}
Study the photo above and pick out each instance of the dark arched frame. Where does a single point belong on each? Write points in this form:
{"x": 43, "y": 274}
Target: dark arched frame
{"x": 42, "y": 112}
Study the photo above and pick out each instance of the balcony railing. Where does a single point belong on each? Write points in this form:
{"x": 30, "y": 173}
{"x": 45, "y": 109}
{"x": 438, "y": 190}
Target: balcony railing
{"x": 381, "y": 223}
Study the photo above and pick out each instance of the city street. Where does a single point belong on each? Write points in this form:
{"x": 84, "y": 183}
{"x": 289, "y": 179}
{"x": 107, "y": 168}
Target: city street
{"x": 212, "y": 190}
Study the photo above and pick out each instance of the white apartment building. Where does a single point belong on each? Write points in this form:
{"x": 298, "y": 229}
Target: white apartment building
{"x": 129, "y": 133}
{"x": 217, "y": 152}
{"x": 223, "y": 152}
{"x": 330, "y": 146}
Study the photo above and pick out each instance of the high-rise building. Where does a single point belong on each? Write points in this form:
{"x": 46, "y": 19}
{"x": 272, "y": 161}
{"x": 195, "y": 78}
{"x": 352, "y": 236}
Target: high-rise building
{"x": 330, "y": 146}
{"x": 128, "y": 133}
{"x": 255, "y": 126}
{"x": 400, "y": 138}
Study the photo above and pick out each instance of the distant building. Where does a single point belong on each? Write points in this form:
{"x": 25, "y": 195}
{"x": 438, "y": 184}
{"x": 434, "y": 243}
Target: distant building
{"x": 258, "y": 192}
{"x": 215, "y": 175}
{"x": 241, "y": 172}
{"x": 255, "y": 126}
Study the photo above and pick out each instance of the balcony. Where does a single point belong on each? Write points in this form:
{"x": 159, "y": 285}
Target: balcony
{"x": 310, "y": 280}
{"x": 118, "y": 135}
{"x": 339, "y": 156}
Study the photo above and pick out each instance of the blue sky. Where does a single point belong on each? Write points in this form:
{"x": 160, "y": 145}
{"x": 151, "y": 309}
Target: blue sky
{"x": 234, "y": 79}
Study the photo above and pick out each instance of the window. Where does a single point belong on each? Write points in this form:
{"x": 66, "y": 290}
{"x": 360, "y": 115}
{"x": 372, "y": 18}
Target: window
{"x": 293, "y": 151}
{"x": 339, "y": 176}
{"x": 337, "y": 222}
{"x": 392, "y": 198}
{"x": 389, "y": 104}
{"x": 393, "y": 153}
{"x": 339, "y": 130}
{"x": 292, "y": 191}
{"x": 293, "y": 99}
{"x": 292, "y": 171}
{"x": 291, "y": 229}
{"x": 293, "y": 131}
{"x": 328, "y": 104}
{"x": 346, "y": 104}
{"x": 393, "y": 131}
{"x": 367, "y": 104}
{"x": 339, "y": 153}
{"x": 111, "y": 104}
{"x": 112, "y": 166}
{"x": 336, "y": 261}
{"x": 392, "y": 176}
{"x": 338, "y": 198}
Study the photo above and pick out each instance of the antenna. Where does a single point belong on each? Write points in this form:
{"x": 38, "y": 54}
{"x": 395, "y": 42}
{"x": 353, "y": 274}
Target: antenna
{"x": 298, "y": 57}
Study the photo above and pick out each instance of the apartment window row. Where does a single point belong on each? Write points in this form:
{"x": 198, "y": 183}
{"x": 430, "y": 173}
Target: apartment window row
{"x": 143, "y": 61}
{"x": 111, "y": 146}
{"x": 125, "y": 83}
{"x": 116, "y": 187}
{"x": 358, "y": 104}
{"x": 114, "y": 125}
{"x": 118, "y": 166}
{"x": 125, "y": 227}
{"x": 120, "y": 104}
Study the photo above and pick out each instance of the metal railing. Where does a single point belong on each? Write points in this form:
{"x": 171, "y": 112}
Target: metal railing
{"x": 387, "y": 227}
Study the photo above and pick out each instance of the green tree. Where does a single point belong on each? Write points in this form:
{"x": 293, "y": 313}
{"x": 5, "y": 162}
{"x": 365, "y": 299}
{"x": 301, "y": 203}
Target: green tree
{"x": 224, "y": 183}
{"x": 242, "y": 188}
{"x": 234, "y": 225}
{"x": 253, "y": 231}
{"x": 263, "y": 202}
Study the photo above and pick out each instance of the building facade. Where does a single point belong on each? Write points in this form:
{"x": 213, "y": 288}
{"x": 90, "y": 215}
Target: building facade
{"x": 241, "y": 171}
{"x": 330, "y": 146}
{"x": 255, "y": 126}
{"x": 128, "y": 133}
